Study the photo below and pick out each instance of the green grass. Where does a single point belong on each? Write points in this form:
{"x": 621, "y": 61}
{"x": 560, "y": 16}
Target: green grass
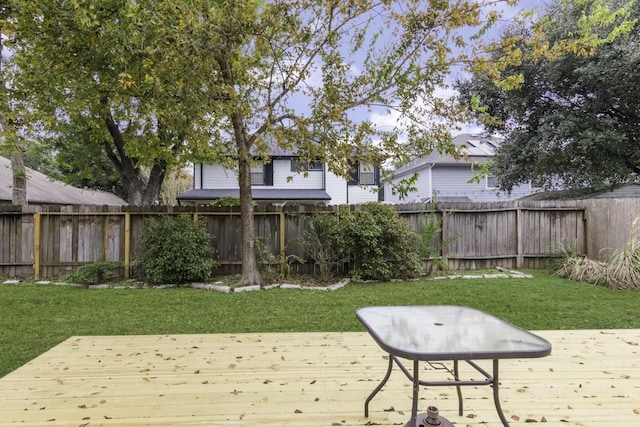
{"x": 35, "y": 318}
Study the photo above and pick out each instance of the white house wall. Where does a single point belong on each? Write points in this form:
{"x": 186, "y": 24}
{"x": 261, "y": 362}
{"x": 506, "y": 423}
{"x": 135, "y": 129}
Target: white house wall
{"x": 336, "y": 188}
{"x": 282, "y": 171}
{"x": 361, "y": 194}
{"x": 342, "y": 194}
{"x": 215, "y": 176}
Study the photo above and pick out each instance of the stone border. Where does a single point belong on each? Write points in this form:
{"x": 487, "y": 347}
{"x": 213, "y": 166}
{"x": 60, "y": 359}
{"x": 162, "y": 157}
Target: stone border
{"x": 220, "y": 287}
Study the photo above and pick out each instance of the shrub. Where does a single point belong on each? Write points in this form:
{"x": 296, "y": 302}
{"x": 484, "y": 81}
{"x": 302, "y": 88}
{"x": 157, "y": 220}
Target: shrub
{"x": 95, "y": 272}
{"x": 175, "y": 250}
{"x": 379, "y": 243}
{"x": 321, "y": 241}
{"x": 273, "y": 267}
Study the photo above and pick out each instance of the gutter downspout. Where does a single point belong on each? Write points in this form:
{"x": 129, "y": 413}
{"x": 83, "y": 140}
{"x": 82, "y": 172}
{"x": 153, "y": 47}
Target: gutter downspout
{"x": 431, "y": 165}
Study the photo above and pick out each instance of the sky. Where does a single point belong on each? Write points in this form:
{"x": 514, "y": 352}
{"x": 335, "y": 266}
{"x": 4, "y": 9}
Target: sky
{"x": 508, "y": 13}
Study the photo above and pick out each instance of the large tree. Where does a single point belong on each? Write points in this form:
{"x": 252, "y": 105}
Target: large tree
{"x": 572, "y": 117}
{"x": 307, "y": 75}
{"x": 96, "y": 67}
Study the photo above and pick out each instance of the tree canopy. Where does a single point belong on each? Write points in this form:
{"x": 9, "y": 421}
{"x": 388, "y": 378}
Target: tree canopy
{"x": 94, "y": 70}
{"x": 571, "y": 118}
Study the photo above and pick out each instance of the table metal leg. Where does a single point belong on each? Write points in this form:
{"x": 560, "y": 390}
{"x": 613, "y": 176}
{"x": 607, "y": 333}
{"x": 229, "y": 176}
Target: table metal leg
{"x": 379, "y": 387}
{"x": 496, "y": 394}
{"x": 492, "y": 380}
{"x": 456, "y": 376}
{"x": 416, "y": 390}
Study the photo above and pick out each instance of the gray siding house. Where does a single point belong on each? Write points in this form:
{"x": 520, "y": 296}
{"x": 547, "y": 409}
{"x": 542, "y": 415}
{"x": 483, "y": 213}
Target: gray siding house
{"x": 284, "y": 179}
{"x": 444, "y": 178}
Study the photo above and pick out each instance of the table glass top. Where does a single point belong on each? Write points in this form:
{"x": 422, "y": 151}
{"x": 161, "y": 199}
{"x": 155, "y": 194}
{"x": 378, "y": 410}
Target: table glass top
{"x": 441, "y": 332}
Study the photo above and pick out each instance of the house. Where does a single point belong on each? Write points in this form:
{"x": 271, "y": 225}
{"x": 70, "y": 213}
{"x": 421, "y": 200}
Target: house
{"x": 285, "y": 178}
{"x": 42, "y": 190}
{"x": 445, "y": 178}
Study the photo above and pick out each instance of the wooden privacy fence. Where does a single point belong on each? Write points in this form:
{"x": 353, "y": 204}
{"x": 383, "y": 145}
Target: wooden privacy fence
{"x": 50, "y": 241}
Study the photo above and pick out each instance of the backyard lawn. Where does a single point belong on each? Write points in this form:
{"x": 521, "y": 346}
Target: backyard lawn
{"x": 35, "y": 318}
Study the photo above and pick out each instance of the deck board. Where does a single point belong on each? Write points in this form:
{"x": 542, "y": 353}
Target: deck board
{"x": 592, "y": 378}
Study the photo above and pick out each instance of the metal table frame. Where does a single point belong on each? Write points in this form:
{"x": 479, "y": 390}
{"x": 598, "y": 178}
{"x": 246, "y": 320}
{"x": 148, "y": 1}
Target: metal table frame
{"x": 521, "y": 344}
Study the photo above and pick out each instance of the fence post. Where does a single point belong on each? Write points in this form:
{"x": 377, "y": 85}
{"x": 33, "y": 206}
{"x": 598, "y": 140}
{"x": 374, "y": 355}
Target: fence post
{"x": 105, "y": 235}
{"x": 127, "y": 244}
{"x": 37, "y": 218}
{"x": 283, "y": 256}
{"x": 443, "y": 236}
{"x": 519, "y": 243}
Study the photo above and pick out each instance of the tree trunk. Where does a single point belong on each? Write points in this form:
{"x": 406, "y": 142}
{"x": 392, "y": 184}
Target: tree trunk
{"x": 18, "y": 170}
{"x": 250, "y": 272}
{"x": 126, "y": 166}
{"x": 19, "y": 192}
{"x": 154, "y": 186}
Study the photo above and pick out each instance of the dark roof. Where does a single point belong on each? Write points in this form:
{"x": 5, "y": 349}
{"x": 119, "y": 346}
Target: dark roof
{"x": 259, "y": 194}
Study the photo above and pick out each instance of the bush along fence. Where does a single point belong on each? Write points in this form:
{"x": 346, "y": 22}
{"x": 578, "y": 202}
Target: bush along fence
{"x": 51, "y": 241}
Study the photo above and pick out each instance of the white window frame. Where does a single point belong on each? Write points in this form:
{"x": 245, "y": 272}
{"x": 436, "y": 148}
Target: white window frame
{"x": 366, "y": 174}
{"x": 257, "y": 175}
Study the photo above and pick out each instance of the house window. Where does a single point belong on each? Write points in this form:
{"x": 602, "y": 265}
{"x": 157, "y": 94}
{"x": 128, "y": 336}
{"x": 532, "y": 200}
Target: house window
{"x": 257, "y": 175}
{"x": 367, "y": 174}
{"x": 297, "y": 165}
{"x": 492, "y": 182}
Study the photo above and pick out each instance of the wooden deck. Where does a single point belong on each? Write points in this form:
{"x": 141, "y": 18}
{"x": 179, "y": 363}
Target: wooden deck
{"x": 592, "y": 378}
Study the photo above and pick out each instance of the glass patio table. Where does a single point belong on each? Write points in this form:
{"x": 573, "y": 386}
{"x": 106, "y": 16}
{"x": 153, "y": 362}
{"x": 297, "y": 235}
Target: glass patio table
{"x": 441, "y": 333}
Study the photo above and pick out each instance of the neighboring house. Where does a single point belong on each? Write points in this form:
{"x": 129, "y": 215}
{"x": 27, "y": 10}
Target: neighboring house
{"x": 285, "y": 179}
{"x": 444, "y": 178}
{"x": 42, "y": 190}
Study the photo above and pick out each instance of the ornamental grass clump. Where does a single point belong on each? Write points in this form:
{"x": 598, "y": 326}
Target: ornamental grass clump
{"x": 574, "y": 266}
{"x": 623, "y": 269}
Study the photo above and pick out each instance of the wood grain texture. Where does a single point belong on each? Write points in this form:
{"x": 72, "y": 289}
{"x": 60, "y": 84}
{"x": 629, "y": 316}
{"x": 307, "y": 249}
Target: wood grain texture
{"x": 592, "y": 378}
